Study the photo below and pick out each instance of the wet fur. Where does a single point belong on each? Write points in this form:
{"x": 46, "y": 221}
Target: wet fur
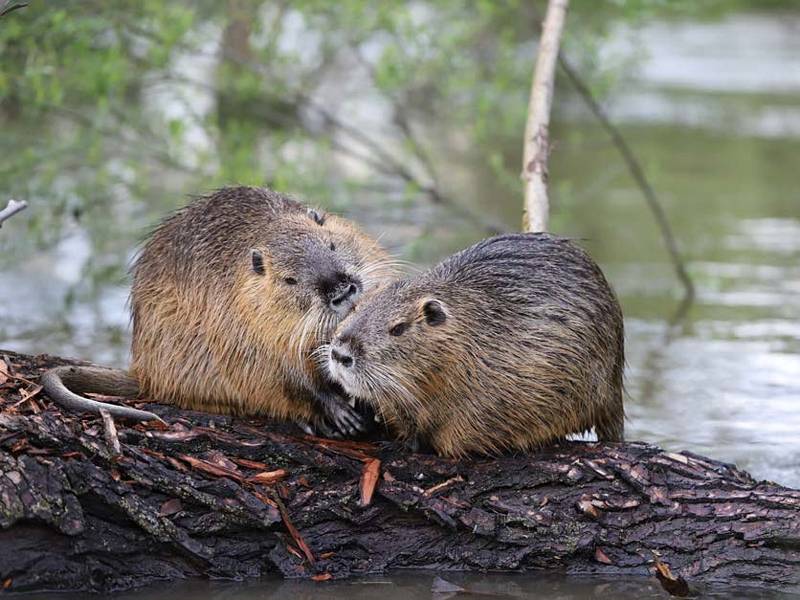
{"x": 531, "y": 349}
{"x": 210, "y": 333}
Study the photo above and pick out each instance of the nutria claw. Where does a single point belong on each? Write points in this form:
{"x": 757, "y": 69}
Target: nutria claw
{"x": 347, "y": 420}
{"x": 344, "y": 418}
{"x": 320, "y": 429}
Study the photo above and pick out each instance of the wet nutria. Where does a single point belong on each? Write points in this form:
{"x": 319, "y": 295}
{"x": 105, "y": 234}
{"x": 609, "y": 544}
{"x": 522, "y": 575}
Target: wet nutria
{"x": 231, "y": 295}
{"x": 512, "y": 343}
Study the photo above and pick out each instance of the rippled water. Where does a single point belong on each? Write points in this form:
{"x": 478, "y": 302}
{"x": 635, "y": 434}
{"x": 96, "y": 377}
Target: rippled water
{"x": 723, "y": 381}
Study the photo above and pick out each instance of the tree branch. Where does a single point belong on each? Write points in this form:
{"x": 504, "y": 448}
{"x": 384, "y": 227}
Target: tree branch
{"x": 537, "y": 137}
{"x": 638, "y": 175}
{"x": 10, "y": 6}
{"x": 12, "y": 208}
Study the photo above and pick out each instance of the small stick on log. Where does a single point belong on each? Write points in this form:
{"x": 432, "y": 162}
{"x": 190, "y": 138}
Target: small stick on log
{"x": 369, "y": 480}
{"x": 298, "y": 539}
{"x": 110, "y": 430}
{"x": 12, "y": 208}
{"x": 537, "y": 137}
{"x": 674, "y": 586}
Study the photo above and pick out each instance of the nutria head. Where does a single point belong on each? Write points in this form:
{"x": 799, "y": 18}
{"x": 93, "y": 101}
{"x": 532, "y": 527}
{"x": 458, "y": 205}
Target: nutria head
{"x": 310, "y": 267}
{"x": 307, "y": 272}
{"x": 390, "y": 352}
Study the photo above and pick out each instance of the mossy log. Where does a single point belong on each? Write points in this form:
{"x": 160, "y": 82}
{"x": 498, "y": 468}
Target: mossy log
{"x": 89, "y": 504}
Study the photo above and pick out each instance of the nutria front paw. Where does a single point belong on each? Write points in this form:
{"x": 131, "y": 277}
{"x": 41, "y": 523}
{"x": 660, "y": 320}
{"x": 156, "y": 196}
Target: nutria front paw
{"x": 346, "y": 419}
{"x": 319, "y": 429}
{"x": 343, "y": 418}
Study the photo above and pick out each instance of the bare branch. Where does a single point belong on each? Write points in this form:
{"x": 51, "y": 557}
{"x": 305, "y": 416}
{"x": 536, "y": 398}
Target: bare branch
{"x": 397, "y": 169}
{"x": 10, "y": 6}
{"x": 12, "y": 208}
{"x": 357, "y": 144}
{"x": 639, "y": 177}
{"x": 537, "y": 137}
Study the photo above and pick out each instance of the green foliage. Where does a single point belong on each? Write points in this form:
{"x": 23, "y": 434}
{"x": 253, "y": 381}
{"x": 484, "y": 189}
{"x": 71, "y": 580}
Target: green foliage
{"x": 102, "y": 125}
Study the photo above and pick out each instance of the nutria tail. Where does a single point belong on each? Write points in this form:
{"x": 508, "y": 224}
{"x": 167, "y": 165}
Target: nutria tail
{"x": 96, "y": 380}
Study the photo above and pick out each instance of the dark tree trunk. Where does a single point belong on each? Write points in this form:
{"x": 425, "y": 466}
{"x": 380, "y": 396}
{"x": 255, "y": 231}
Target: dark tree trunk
{"x": 214, "y": 496}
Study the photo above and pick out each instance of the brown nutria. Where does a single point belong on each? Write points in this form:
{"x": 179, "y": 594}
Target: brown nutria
{"x": 231, "y": 295}
{"x": 510, "y": 344}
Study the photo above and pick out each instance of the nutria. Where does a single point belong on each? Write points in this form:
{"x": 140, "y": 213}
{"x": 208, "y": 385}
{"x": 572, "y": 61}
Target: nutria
{"x": 231, "y": 295}
{"x": 510, "y": 344}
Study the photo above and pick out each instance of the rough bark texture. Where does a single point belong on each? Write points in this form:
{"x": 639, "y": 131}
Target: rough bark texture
{"x": 219, "y": 497}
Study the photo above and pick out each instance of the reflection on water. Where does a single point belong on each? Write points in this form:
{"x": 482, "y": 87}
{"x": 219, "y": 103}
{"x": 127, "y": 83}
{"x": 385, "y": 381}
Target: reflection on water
{"x": 419, "y": 586}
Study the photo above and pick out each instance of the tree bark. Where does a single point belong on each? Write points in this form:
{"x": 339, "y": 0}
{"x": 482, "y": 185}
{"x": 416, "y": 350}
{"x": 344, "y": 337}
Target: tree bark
{"x": 537, "y": 137}
{"x": 93, "y": 506}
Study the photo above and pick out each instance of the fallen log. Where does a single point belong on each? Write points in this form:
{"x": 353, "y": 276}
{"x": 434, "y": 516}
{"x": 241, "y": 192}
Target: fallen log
{"x": 87, "y": 504}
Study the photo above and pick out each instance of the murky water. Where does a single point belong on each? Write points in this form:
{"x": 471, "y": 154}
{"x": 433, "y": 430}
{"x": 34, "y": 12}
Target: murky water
{"x": 723, "y": 153}
{"x": 424, "y": 586}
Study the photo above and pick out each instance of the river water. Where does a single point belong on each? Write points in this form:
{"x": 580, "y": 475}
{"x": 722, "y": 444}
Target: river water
{"x": 715, "y": 120}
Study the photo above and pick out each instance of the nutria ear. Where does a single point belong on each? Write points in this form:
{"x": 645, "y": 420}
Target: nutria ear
{"x": 258, "y": 261}
{"x": 434, "y": 313}
{"x": 316, "y": 216}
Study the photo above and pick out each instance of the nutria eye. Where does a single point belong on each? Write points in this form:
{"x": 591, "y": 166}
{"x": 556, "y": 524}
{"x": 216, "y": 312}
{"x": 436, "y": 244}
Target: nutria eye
{"x": 333, "y": 246}
{"x": 398, "y": 329}
{"x": 290, "y": 281}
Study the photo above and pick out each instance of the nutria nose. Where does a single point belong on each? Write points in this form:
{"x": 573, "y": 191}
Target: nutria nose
{"x": 342, "y": 357}
{"x": 343, "y": 294}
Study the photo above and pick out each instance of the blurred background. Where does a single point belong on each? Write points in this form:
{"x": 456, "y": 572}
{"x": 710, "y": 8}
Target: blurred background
{"x": 408, "y": 117}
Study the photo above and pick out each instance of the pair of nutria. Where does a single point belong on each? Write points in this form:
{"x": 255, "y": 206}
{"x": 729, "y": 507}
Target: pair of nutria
{"x": 510, "y": 344}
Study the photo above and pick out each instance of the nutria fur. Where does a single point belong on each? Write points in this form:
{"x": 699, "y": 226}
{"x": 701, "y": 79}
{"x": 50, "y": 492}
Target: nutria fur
{"x": 510, "y": 344}
{"x": 231, "y": 295}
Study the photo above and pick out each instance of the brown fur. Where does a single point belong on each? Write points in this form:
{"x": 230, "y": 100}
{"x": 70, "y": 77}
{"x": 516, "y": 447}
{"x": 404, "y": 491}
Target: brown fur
{"x": 208, "y": 333}
{"x": 212, "y": 333}
{"x": 507, "y": 345}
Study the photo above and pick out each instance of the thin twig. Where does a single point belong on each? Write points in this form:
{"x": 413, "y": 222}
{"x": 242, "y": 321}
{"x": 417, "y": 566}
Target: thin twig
{"x": 376, "y": 157}
{"x": 7, "y": 372}
{"x": 111, "y": 433}
{"x": 638, "y": 175}
{"x": 394, "y": 167}
{"x": 298, "y": 539}
{"x": 12, "y": 208}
